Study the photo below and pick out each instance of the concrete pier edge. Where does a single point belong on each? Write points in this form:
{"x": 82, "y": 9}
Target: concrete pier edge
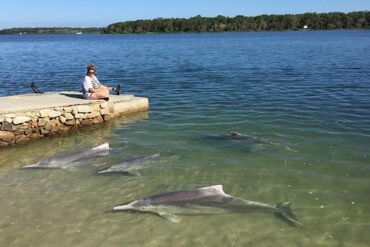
{"x": 32, "y": 116}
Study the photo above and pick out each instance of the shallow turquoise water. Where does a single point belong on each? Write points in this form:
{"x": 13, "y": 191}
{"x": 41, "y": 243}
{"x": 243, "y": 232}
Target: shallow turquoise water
{"x": 307, "y": 90}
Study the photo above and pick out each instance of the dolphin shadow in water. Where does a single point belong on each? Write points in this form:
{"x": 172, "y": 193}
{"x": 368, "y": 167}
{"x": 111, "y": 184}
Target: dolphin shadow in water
{"x": 250, "y": 140}
{"x": 227, "y": 143}
{"x": 132, "y": 167}
{"x": 206, "y": 200}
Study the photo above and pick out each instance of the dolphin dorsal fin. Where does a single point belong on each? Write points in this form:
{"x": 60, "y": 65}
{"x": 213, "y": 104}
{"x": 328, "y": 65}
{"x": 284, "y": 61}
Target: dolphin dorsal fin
{"x": 214, "y": 189}
{"x": 101, "y": 147}
{"x": 234, "y": 133}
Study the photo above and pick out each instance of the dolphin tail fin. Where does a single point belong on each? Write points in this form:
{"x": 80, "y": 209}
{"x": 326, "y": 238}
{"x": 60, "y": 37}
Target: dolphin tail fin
{"x": 104, "y": 171}
{"x": 125, "y": 207}
{"x": 285, "y": 213}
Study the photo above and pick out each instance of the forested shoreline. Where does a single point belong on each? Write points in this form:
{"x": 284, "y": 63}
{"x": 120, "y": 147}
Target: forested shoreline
{"x": 310, "y": 21}
{"x": 51, "y": 30}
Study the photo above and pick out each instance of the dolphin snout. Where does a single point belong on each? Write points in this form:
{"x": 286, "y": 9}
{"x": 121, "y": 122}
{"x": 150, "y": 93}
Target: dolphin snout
{"x": 36, "y": 165}
{"x": 123, "y": 207}
{"x": 104, "y": 171}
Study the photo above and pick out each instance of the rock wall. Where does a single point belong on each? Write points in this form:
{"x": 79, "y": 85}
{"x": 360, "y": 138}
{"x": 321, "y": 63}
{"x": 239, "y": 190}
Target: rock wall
{"x": 21, "y": 127}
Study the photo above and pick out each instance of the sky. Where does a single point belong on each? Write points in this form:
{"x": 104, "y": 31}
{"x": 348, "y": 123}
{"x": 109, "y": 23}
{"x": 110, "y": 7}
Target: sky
{"x": 100, "y": 13}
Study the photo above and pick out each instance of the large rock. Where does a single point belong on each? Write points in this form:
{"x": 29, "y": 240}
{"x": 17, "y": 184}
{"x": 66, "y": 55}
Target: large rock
{"x": 48, "y": 127}
{"x": 49, "y": 113}
{"x": 34, "y": 123}
{"x": 62, "y": 119}
{"x": 27, "y": 131}
{"x": 84, "y": 109}
{"x": 43, "y": 121}
{"x": 54, "y": 114}
{"x": 67, "y": 109}
{"x": 6, "y": 136}
{"x": 24, "y": 126}
{"x": 44, "y": 113}
{"x": 68, "y": 116}
{"x": 21, "y": 119}
{"x": 44, "y": 132}
{"x": 7, "y": 126}
{"x": 80, "y": 116}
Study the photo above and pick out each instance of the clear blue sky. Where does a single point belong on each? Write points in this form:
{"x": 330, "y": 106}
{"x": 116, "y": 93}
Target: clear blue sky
{"x": 100, "y": 13}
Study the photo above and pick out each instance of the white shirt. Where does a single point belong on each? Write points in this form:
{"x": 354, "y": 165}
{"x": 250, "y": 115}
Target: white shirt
{"x": 88, "y": 83}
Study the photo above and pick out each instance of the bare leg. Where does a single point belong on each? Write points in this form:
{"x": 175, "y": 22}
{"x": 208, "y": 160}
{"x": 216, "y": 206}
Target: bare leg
{"x": 100, "y": 94}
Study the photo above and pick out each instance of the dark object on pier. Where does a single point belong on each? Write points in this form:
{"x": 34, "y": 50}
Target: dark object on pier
{"x": 118, "y": 89}
{"x": 34, "y": 88}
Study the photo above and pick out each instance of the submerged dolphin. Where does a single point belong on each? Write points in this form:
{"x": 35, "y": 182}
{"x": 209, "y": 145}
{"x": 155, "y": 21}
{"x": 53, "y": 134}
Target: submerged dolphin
{"x": 254, "y": 139}
{"x": 60, "y": 161}
{"x": 207, "y": 200}
{"x": 132, "y": 165}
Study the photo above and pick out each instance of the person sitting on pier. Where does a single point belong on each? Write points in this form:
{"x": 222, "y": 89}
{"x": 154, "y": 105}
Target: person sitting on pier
{"x": 92, "y": 88}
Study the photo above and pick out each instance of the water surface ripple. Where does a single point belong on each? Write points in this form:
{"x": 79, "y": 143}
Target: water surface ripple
{"x": 307, "y": 90}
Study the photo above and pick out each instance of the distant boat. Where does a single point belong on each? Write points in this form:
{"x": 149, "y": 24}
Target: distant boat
{"x": 79, "y": 33}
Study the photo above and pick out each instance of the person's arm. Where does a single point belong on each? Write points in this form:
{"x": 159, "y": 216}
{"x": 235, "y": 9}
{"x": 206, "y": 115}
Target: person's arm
{"x": 102, "y": 88}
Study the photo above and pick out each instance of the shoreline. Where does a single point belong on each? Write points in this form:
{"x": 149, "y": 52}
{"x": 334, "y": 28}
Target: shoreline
{"x": 166, "y": 33}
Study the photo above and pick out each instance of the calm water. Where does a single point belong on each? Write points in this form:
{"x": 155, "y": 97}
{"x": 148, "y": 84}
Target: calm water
{"x": 307, "y": 90}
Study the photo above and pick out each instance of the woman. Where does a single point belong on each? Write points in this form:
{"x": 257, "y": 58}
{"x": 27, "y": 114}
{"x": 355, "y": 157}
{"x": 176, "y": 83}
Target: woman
{"x": 92, "y": 88}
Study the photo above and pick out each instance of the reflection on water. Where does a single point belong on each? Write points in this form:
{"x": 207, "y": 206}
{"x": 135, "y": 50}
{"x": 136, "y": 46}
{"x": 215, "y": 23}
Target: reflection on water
{"x": 308, "y": 91}
{"x": 77, "y": 139}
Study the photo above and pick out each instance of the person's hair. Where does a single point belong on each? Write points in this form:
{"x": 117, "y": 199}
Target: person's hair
{"x": 90, "y": 66}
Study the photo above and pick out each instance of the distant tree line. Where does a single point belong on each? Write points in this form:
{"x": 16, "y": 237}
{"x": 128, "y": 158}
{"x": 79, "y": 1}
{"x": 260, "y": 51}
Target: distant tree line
{"x": 314, "y": 21}
{"x": 50, "y": 30}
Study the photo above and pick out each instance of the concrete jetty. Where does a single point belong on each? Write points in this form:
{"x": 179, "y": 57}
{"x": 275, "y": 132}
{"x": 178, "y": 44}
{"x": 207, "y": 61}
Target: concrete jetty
{"x": 31, "y": 116}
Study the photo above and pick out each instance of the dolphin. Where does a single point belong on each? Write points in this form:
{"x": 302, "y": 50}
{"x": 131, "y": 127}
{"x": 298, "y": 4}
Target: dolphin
{"x": 133, "y": 165}
{"x": 206, "y": 200}
{"x": 254, "y": 139}
{"x": 61, "y": 161}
